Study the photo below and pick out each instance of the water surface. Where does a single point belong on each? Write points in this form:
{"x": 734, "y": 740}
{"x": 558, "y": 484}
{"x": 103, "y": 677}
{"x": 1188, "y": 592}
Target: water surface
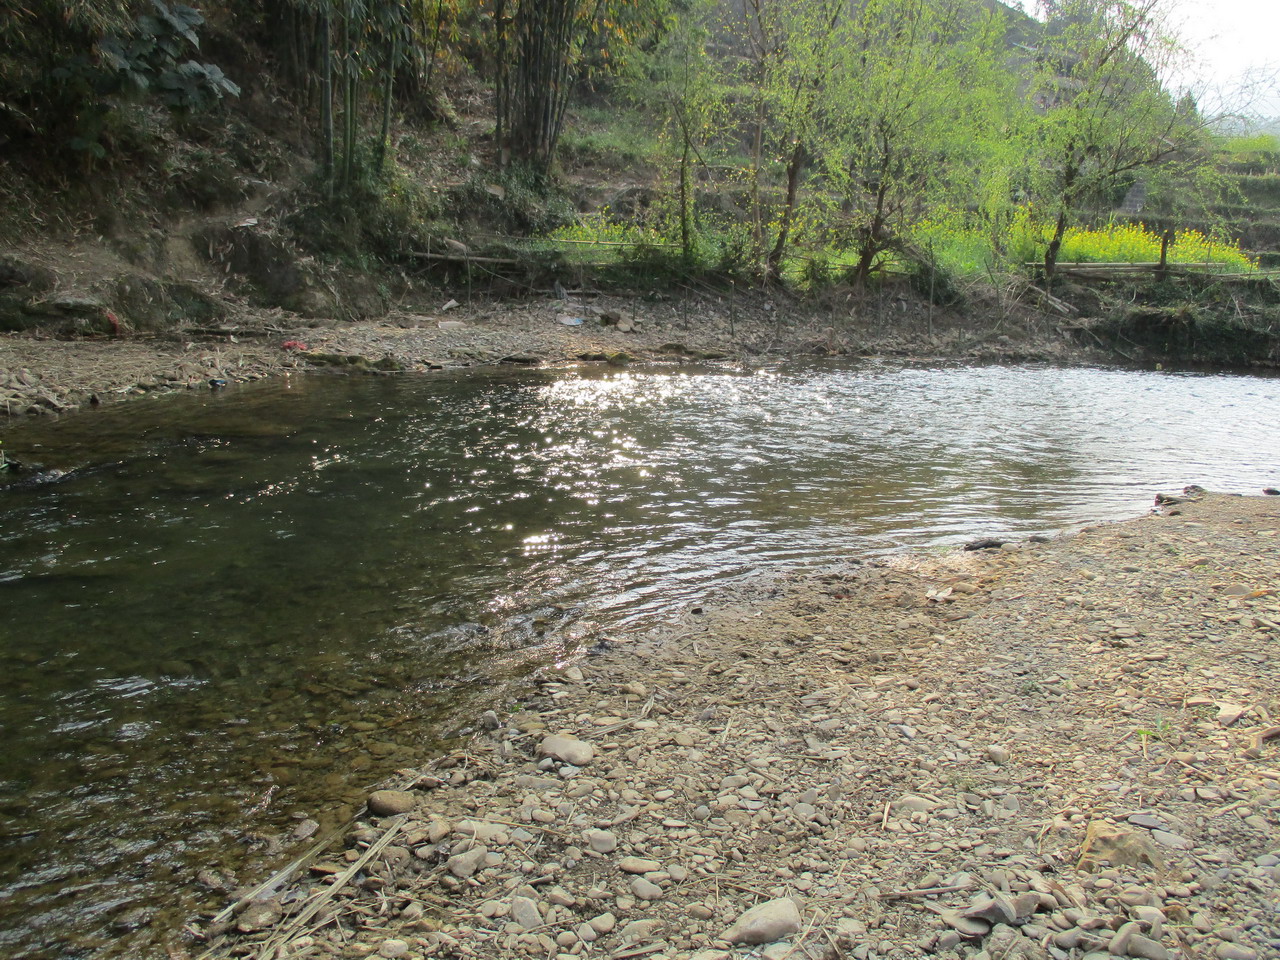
{"x": 246, "y": 607}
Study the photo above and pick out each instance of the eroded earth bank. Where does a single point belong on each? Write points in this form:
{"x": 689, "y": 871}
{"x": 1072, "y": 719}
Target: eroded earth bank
{"x": 1060, "y": 749}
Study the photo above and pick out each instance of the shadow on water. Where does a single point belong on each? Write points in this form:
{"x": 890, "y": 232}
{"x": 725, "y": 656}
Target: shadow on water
{"x": 246, "y": 608}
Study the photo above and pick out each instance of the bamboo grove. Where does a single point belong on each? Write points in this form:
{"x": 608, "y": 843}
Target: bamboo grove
{"x": 846, "y": 122}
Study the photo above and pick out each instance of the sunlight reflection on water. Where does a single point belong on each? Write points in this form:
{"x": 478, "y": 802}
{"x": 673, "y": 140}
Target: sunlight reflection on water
{"x": 255, "y": 590}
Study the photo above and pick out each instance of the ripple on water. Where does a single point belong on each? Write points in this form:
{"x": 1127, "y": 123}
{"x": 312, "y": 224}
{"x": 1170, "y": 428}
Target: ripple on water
{"x": 254, "y": 604}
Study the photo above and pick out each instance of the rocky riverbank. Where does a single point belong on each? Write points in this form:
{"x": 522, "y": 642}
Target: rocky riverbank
{"x": 1046, "y": 750}
{"x": 42, "y": 375}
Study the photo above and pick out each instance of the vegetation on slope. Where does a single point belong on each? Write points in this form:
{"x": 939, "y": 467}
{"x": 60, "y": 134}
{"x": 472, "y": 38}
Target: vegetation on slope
{"x": 302, "y": 146}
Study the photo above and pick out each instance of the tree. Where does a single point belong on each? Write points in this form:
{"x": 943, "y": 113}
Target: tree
{"x": 1105, "y": 120}
{"x": 918, "y": 90}
{"x": 65, "y": 68}
{"x": 679, "y": 76}
{"x": 542, "y": 47}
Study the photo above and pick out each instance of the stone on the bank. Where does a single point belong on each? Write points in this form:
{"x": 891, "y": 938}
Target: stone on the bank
{"x": 1026, "y": 904}
{"x": 645, "y": 890}
{"x": 850, "y": 927}
{"x": 1120, "y": 846}
{"x": 1147, "y": 820}
{"x": 1147, "y": 949}
{"x": 1171, "y": 839}
{"x": 994, "y": 909}
{"x": 567, "y": 749}
{"x": 601, "y": 841}
{"x": 1229, "y": 713}
{"x": 967, "y": 926}
{"x": 393, "y": 948}
{"x": 1153, "y": 917}
{"x": 604, "y": 923}
{"x": 258, "y": 916}
{"x": 389, "y": 803}
{"x": 913, "y": 804}
{"x": 561, "y": 897}
{"x": 638, "y": 865}
{"x": 1234, "y": 951}
{"x": 765, "y": 922}
{"x": 482, "y": 831}
{"x": 525, "y": 912}
{"x": 463, "y": 865}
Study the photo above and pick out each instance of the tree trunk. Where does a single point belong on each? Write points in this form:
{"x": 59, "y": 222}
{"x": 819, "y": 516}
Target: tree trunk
{"x": 349, "y": 155}
{"x": 326, "y": 99}
{"x": 502, "y": 83}
{"x": 393, "y": 55}
{"x": 794, "y": 166}
{"x": 757, "y": 151}
{"x": 873, "y": 239}
{"x": 435, "y": 38}
{"x": 866, "y": 257}
{"x": 1051, "y": 251}
{"x": 686, "y": 238}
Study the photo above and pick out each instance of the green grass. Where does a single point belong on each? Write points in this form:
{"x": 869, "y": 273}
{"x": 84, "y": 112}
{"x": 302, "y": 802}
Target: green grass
{"x": 610, "y": 138}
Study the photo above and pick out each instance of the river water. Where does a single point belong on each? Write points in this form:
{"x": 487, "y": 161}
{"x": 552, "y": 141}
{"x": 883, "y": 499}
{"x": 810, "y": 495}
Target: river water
{"x": 247, "y": 607}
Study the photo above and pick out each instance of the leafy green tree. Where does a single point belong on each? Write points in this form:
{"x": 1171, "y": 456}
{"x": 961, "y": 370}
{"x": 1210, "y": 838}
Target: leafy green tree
{"x": 917, "y": 93}
{"x": 780, "y": 51}
{"x": 65, "y": 67}
{"x": 680, "y": 79}
{"x": 542, "y": 48}
{"x": 1105, "y": 119}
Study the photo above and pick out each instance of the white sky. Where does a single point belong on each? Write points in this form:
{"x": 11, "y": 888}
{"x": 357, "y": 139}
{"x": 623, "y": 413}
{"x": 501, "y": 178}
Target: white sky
{"x": 1234, "y": 43}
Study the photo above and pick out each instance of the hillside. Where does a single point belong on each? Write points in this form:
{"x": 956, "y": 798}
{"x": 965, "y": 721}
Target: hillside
{"x": 144, "y": 192}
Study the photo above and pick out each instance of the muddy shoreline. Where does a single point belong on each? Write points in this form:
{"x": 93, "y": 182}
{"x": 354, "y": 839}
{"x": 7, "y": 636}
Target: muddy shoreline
{"x": 1046, "y": 750}
{"x": 45, "y": 375}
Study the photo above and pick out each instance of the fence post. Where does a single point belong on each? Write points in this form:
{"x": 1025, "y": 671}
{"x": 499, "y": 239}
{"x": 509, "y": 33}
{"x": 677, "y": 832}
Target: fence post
{"x": 1163, "y": 269}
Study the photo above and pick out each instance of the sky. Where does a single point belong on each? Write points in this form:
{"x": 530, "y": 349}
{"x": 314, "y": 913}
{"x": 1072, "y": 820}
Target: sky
{"x": 1231, "y": 41}
{"x": 1232, "y": 38}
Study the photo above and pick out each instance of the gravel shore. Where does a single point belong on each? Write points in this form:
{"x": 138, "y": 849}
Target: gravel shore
{"x": 1046, "y": 750}
{"x": 44, "y": 375}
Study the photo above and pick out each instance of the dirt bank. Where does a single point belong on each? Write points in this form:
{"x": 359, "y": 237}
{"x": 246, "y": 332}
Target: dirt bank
{"x": 45, "y": 375}
{"x": 1057, "y": 749}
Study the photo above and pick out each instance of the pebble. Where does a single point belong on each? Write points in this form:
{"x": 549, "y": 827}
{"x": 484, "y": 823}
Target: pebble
{"x": 567, "y": 750}
{"x": 638, "y": 865}
{"x": 603, "y": 924}
{"x": 601, "y": 841}
{"x": 765, "y": 922}
{"x": 1234, "y": 951}
{"x": 393, "y": 947}
{"x": 258, "y": 916}
{"x": 645, "y": 890}
{"x": 992, "y": 908}
{"x": 389, "y": 803}
{"x": 466, "y": 864}
{"x": 524, "y": 911}
{"x": 1168, "y": 839}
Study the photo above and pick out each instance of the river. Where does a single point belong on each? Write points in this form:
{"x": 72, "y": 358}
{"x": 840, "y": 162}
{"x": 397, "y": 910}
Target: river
{"x": 242, "y": 609}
